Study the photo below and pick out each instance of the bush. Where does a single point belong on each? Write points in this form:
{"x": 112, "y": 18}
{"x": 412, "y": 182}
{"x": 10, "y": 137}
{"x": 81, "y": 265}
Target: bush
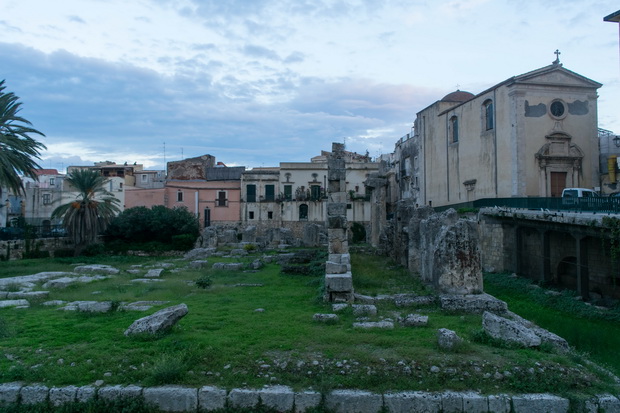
{"x": 183, "y": 242}
{"x": 93, "y": 250}
{"x": 204, "y": 282}
{"x": 64, "y": 253}
{"x": 160, "y": 227}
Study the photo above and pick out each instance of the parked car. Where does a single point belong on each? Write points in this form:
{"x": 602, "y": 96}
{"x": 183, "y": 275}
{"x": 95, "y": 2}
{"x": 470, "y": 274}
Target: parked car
{"x": 580, "y": 196}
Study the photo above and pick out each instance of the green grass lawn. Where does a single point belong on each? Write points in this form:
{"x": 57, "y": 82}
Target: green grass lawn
{"x": 589, "y": 329}
{"x": 257, "y": 335}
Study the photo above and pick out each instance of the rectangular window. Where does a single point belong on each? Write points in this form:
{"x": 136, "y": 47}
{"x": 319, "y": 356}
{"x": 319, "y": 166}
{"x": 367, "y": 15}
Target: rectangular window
{"x": 221, "y": 199}
{"x": 144, "y": 177}
{"x": 251, "y": 215}
{"x": 454, "y": 124}
{"x": 315, "y": 192}
{"x": 269, "y": 214}
{"x": 288, "y": 192}
{"x": 250, "y": 194}
{"x": 270, "y": 193}
{"x": 52, "y": 181}
{"x": 47, "y": 199}
{"x": 179, "y": 196}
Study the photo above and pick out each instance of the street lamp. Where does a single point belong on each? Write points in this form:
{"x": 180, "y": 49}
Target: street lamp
{"x": 616, "y": 140}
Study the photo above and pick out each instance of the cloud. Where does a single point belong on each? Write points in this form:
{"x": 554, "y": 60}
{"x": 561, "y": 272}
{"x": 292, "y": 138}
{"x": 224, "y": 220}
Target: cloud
{"x": 260, "y": 52}
{"x": 76, "y": 19}
{"x": 91, "y": 109}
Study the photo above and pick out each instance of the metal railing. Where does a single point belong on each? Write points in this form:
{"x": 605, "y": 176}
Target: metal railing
{"x": 32, "y": 232}
{"x": 606, "y": 205}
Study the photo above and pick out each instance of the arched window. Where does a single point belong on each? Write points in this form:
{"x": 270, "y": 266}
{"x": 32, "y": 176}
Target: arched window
{"x": 489, "y": 121}
{"x": 303, "y": 212}
{"x": 454, "y": 129}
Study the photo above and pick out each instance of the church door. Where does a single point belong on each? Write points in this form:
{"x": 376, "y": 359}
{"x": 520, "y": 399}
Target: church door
{"x": 558, "y": 183}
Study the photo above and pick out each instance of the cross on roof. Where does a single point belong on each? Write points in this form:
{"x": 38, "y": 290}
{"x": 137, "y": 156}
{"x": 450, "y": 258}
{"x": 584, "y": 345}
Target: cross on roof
{"x": 557, "y": 57}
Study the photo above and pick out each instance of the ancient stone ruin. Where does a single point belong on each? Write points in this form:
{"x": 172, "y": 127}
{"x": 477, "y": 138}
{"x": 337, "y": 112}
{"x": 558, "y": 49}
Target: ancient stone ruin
{"x": 338, "y": 277}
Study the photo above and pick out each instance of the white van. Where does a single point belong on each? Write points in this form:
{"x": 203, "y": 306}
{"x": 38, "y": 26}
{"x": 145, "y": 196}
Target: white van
{"x": 573, "y": 195}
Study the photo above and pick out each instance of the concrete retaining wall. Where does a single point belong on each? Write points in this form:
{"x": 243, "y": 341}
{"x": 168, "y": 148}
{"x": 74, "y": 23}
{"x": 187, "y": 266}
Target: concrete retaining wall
{"x": 284, "y": 399}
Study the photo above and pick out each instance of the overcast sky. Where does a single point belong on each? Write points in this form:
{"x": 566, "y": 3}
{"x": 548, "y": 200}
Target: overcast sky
{"x": 258, "y": 82}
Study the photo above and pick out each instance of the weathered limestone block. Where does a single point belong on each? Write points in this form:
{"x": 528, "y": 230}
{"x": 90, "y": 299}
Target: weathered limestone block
{"x": 60, "y": 283}
{"x": 336, "y": 209}
{"x": 339, "y": 221}
{"x": 9, "y": 393}
{"x": 474, "y": 402}
{"x": 414, "y": 320}
{"x": 388, "y": 325}
{"x": 313, "y": 235}
{"x": 473, "y": 303}
{"x": 30, "y": 295}
{"x": 448, "y": 339}
{"x": 336, "y": 268}
{"x": 325, "y": 318}
{"x": 199, "y": 253}
{"x": 62, "y": 395}
{"x": 118, "y": 392}
{"x": 353, "y": 401}
{"x": 89, "y": 306}
{"x": 339, "y": 282}
{"x": 228, "y": 236}
{"x": 412, "y": 402}
{"x": 337, "y": 239}
{"x": 97, "y": 269}
{"x": 34, "y": 394}
{"x": 499, "y": 403}
{"x": 238, "y": 252}
{"x": 548, "y": 403}
{"x": 546, "y": 336}
{"x": 306, "y": 400}
{"x": 278, "y": 398}
{"x": 508, "y": 330}
{"x": 243, "y": 398}
{"x": 607, "y": 403}
{"x": 211, "y": 398}
{"x": 85, "y": 394}
{"x": 160, "y": 321}
{"x": 154, "y": 273}
{"x": 249, "y": 234}
{"x": 14, "y": 303}
{"x": 450, "y": 256}
{"x": 409, "y": 300}
{"x": 172, "y": 398}
{"x": 198, "y": 264}
{"x": 228, "y": 266}
{"x": 360, "y": 310}
{"x": 415, "y": 254}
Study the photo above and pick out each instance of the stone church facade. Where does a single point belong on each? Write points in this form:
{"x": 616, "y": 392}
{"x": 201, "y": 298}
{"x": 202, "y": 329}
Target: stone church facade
{"x": 531, "y": 135}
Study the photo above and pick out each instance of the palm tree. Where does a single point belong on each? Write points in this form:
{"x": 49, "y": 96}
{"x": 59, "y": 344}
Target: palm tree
{"x": 91, "y": 212}
{"x": 17, "y": 149}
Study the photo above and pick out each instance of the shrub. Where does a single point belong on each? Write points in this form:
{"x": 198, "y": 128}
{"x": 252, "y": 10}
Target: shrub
{"x": 167, "y": 370}
{"x": 163, "y": 228}
{"x": 249, "y": 247}
{"x": 204, "y": 282}
{"x": 183, "y": 242}
{"x": 64, "y": 253}
{"x": 93, "y": 250}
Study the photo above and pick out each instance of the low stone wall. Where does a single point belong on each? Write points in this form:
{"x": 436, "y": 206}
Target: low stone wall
{"x": 285, "y": 399}
{"x": 16, "y": 248}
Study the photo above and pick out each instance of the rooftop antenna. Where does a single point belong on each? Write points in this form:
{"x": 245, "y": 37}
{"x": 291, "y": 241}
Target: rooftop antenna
{"x": 165, "y": 164}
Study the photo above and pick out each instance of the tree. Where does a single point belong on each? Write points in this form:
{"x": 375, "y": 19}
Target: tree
{"x": 161, "y": 227}
{"x": 17, "y": 149}
{"x": 91, "y": 212}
